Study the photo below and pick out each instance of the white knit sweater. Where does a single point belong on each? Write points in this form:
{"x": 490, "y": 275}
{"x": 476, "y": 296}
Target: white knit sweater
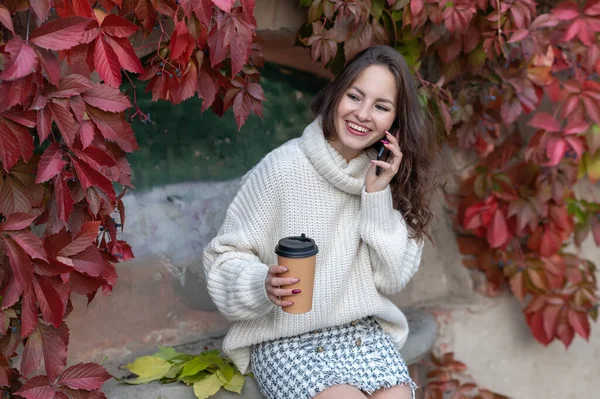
{"x": 306, "y": 186}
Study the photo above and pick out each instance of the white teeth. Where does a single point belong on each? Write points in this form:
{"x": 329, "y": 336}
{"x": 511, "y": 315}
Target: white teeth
{"x": 356, "y": 127}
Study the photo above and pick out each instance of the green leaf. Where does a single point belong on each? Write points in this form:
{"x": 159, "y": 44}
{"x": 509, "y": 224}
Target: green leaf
{"x": 236, "y": 384}
{"x": 306, "y": 3}
{"x": 225, "y": 373}
{"x": 148, "y": 368}
{"x": 377, "y": 8}
{"x": 166, "y": 353}
{"x": 192, "y": 379}
{"x": 207, "y": 387}
{"x": 397, "y": 15}
{"x": 198, "y": 363}
{"x": 174, "y": 372}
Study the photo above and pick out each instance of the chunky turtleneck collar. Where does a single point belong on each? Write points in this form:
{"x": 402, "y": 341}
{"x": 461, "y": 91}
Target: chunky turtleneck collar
{"x": 330, "y": 164}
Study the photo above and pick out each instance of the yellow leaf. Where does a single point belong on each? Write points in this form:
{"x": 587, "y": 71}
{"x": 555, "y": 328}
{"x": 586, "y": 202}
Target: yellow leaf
{"x": 207, "y": 387}
{"x": 236, "y": 384}
{"x": 149, "y": 367}
{"x": 593, "y": 167}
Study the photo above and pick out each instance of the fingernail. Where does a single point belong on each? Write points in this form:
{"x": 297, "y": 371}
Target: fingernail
{"x": 385, "y": 141}
{"x": 296, "y": 280}
{"x": 296, "y": 291}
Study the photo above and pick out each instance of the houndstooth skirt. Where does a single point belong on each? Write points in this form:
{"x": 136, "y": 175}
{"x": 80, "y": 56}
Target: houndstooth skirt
{"x": 360, "y": 354}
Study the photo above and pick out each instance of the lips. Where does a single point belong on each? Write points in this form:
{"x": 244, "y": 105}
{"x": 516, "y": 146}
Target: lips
{"x": 356, "y": 132}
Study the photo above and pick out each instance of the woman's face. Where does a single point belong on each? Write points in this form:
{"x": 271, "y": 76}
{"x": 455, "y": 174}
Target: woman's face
{"x": 367, "y": 109}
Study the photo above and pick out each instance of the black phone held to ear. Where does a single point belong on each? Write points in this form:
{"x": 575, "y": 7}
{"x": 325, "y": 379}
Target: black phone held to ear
{"x": 380, "y": 155}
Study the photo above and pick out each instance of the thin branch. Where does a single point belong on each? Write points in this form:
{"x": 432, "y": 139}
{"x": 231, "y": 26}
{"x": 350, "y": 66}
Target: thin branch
{"x": 28, "y": 18}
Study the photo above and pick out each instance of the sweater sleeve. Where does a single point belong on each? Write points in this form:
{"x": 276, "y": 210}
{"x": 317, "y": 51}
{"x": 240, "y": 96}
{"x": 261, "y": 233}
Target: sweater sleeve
{"x": 395, "y": 257}
{"x": 234, "y": 271}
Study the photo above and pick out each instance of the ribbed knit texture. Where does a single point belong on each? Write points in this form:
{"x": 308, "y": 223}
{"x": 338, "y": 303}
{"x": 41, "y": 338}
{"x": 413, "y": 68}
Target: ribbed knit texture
{"x": 306, "y": 186}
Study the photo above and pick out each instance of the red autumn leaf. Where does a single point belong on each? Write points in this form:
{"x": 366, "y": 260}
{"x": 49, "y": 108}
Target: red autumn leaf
{"x": 51, "y": 163}
{"x": 117, "y": 26}
{"x": 89, "y": 262}
{"x": 580, "y": 323}
{"x": 517, "y": 285}
{"x": 37, "y": 388}
{"x": 241, "y": 107}
{"x": 32, "y": 353}
{"x": 120, "y": 250}
{"x": 86, "y": 133}
{"x": 224, "y": 5}
{"x": 536, "y": 325}
{"x": 30, "y": 243}
{"x": 550, "y": 316}
{"x": 86, "y": 376}
{"x": 89, "y": 177}
{"x": 61, "y": 33}
{"x": 9, "y": 147}
{"x": 565, "y": 333}
{"x": 48, "y": 292}
{"x": 86, "y": 237}
{"x": 14, "y": 196}
{"x": 41, "y": 9}
{"x": 17, "y": 221}
{"x": 125, "y": 54}
{"x": 50, "y": 64}
{"x": 106, "y": 98}
{"x": 20, "y": 263}
{"x": 550, "y": 242}
{"x": 54, "y": 345}
{"x": 543, "y": 120}
{"x": 21, "y": 59}
{"x": 111, "y": 126}
{"x": 207, "y": 89}
{"x": 5, "y": 19}
{"x": 29, "y": 311}
{"x": 106, "y": 62}
{"x": 62, "y": 198}
{"x": 498, "y": 233}
{"x": 566, "y": 11}
{"x": 84, "y": 284}
{"x": 188, "y": 84}
{"x": 231, "y": 34}
{"x": 182, "y": 44}
{"x": 70, "y": 86}
{"x": 82, "y": 8}
{"x": 65, "y": 120}
{"x": 555, "y": 150}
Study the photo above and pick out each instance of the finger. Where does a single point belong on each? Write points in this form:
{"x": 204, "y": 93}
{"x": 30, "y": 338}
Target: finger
{"x": 280, "y": 302}
{"x": 391, "y": 138}
{"x": 384, "y": 165}
{"x": 279, "y": 281}
{"x": 276, "y": 269}
{"x": 394, "y": 149}
{"x": 286, "y": 292}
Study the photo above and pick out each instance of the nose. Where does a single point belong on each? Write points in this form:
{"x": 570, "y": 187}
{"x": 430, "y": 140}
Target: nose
{"x": 363, "y": 112}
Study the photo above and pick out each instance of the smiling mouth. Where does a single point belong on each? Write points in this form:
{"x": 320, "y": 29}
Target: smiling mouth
{"x": 357, "y": 129}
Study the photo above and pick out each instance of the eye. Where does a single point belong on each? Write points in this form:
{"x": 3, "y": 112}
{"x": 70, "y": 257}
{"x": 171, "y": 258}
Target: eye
{"x": 382, "y": 108}
{"x": 353, "y": 97}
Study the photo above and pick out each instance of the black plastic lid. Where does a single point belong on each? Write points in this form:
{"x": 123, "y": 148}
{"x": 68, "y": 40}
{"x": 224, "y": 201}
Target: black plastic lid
{"x": 296, "y": 247}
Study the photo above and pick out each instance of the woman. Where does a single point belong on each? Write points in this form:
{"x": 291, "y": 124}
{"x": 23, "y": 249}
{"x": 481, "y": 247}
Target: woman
{"x": 369, "y": 227}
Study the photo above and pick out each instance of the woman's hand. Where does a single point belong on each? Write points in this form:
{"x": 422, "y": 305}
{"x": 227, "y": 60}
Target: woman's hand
{"x": 375, "y": 183}
{"x": 273, "y": 282}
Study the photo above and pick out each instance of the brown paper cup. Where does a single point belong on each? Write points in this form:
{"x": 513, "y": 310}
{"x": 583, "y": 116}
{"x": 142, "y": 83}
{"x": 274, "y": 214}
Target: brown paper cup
{"x": 304, "y": 269}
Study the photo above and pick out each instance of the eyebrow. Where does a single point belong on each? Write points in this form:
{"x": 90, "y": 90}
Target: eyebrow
{"x": 385, "y": 100}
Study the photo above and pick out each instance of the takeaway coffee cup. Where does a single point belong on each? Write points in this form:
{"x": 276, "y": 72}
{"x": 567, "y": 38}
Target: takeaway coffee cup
{"x": 299, "y": 256}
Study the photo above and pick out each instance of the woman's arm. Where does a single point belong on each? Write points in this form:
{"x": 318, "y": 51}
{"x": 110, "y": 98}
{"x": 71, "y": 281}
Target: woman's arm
{"x": 234, "y": 271}
{"x": 395, "y": 257}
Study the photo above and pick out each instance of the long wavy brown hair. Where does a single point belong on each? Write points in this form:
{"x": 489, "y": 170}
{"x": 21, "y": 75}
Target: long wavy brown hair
{"x": 413, "y": 186}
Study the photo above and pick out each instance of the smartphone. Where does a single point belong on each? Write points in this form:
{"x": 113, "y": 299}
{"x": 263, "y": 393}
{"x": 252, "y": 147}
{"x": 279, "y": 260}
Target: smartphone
{"x": 382, "y": 152}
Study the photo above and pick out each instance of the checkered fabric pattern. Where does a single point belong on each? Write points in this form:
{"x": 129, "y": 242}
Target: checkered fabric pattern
{"x": 360, "y": 354}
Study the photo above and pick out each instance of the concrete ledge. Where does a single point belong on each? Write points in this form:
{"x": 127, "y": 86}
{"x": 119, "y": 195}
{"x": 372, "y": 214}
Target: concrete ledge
{"x": 423, "y": 332}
